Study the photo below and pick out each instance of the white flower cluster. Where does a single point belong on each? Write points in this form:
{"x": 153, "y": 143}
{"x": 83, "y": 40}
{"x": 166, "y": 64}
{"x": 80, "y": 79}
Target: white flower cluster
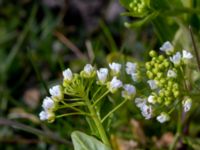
{"x": 73, "y": 82}
{"x": 145, "y": 108}
{"x": 49, "y": 104}
{"x": 178, "y": 57}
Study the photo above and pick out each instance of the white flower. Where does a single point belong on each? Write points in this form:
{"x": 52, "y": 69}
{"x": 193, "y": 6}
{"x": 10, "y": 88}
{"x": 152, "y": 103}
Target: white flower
{"x": 134, "y": 77}
{"x": 67, "y": 74}
{"x": 43, "y": 115}
{"x": 114, "y": 84}
{"x": 171, "y": 74}
{"x": 151, "y": 99}
{"x": 47, "y": 115}
{"x": 56, "y": 92}
{"x": 131, "y": 68}
{"x": 102, "y": 75}
{"x": 152, "y": 84}
{"x": 129, "y": 91}
{"x": 88, "y": 71}
{"x": 140, "y": 102}
{"x": 187, "y": 104}
{"x": 146, "y": 111}
{"x": 187, "y": 55}
{"x": 167, "y": 47}
{"x": 48, "y": 103}
{"x": 163, "y": 117}
{"x": 176, "y": 58}
{"x": 115, "y": 67}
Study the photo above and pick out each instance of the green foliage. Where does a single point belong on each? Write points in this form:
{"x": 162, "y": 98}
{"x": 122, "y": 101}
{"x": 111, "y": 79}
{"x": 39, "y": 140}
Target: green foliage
{"x": 82, "y": 141}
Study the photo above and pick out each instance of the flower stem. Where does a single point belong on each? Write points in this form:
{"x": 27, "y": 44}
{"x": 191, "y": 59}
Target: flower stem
{"x": 195, "y": 48}
{"x": 70, "y": 114}
{"x": 179, "y": 129}
{"x": 97, "y": 122}
{"x": 113, "y": 110}
{"x": 100, "y": 98}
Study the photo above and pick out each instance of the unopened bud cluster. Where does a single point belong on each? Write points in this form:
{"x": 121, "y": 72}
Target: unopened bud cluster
{"x": 138, "y": 6}
{"x": 166, "y": 81}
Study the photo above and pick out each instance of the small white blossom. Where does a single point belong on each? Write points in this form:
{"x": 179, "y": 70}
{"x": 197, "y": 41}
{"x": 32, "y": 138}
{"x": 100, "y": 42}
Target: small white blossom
{"x": 152, "y": 84}
{"x": 129, "y": 91}
{"x": 47, "y": 115}
{"x": 163, "y": 117}
{"x": 134, "y": 77}
{"x": 187, "y": 104}
{"x": 56, "y": 92}
{"x": 171, "y": 74}
{"x": 43, "y": 115}
{"x": 88, "y": 71}
{"x": 140, "y": 102}
{"x": 167, "y": 47}
{"x": 102, "y": 75}
{"x": 48, "y": 103}
{"x": 114, "y": 84}
{"x": 187, "y": 55}
{"x": 67, "y": 74}
{"x": 151, "y": 99}
{"x": 176, "y": 58}
{"x": 131, "y": 68}
{"x": 115, "y": 67}
{"x": 146, "y": 111}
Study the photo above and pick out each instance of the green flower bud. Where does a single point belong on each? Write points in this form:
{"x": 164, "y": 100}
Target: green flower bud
{"x": 155, "y": 70}
{"x": 152, "y": 53}
{"x": 148, "y": 65}
{"x": 149, "y": 74}
{"x": 161, "y": 58}
{"x": 176, "y": 94}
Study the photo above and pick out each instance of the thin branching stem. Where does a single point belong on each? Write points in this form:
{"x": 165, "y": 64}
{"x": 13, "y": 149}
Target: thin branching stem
{"x": 195, "y": 48}
{"x": 100, "y": 98}
{"x": 113, "y": 110}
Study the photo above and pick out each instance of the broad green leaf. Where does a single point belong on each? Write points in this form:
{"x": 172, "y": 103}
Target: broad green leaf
{"x": 82, "y": 141}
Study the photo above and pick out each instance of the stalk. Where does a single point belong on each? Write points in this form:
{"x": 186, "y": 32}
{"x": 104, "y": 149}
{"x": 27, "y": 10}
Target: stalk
{"x": 97, "y": 122}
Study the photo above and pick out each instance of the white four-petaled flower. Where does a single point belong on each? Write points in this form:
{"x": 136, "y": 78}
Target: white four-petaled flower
{"x": 102, "y": 75}
{"x": 187, "y": 55}
{"x": 151, "y": 99}
{"x": 115, "y": 68}
{"x": 131, "y": 68}
{"x": 140, "y": 102}
{"x": 47, "y": 115}
{"x": 129, "y": 91}
{"x": 88, "y": 70}
{"x": 167, "y": 47}
{"x": 56, "y": 92}
{"x": 48, "y": 103}
{"x": 176, "y": 58}
{"x": 146, "y": 111}
{"x": 67, "y": 74}
{"x": 152, "y": 84}
{"x": 171, "y": 73}
{"x": 187, "y": 103}
{"x": 114, "y": 84}
{"x": 163, "y": 117}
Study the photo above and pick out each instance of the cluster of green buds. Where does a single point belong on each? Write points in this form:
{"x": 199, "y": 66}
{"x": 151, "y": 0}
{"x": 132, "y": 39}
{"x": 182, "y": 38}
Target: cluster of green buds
{"x": 138, "y": 6}
{"x": 166, "y": 79}
{"x": 81, "y": 92}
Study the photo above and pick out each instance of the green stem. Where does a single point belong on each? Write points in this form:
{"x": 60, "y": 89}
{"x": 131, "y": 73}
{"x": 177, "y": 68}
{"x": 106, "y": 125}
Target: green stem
{"x": 195, "y": 48}
{"x": 97, "y": 122}
{"x": 100, "y": 98}
{"x": 70, "y": 114}
{"x": 113, "y": 110}
{"x": 179, "y": 129}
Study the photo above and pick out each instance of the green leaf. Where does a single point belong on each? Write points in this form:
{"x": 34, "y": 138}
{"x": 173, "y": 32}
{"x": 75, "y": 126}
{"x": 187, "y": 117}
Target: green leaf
{"x": 82, "y": 141}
